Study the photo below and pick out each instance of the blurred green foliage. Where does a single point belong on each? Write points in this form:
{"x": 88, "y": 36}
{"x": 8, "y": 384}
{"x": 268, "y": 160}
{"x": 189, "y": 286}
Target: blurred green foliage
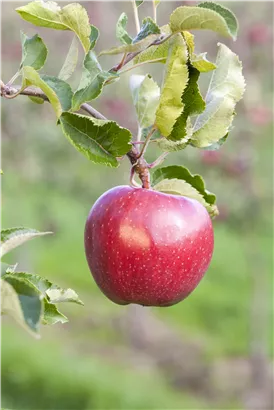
{"x": 77, "y": 382}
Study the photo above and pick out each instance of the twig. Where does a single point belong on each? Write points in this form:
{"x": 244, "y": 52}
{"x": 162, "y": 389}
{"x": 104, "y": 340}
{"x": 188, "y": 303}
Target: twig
{"x": 162, "y": 39}
{"x": 13, "y": 95}
{"x": 136, "y": 159}
{"x": 130, "y": 56}
{"x": 11, "y": 92}
{"x": 94, "y": 113}
{"x": 139, "y": 165}
{"x": 136, "y": 17}
{"x": 122, "y": 62}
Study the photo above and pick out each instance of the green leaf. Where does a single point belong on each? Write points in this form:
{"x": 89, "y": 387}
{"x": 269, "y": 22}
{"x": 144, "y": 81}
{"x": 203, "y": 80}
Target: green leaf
{"x": 148, "y": 27}
{"x": 22, "y": 302}
{"x": 132, "y": 48}
{"x": 34, "y": 51}
{"x": 139, "y": 2}
{"x": 44, "y": 287}
{"x": 201, "y": 63}
{"x": 182, "y": 188}
{"x": 121, "y": 32}
{"x": 13, "y": 237}
{"x": 216, "y": 145}
{"x": 52, "y": 315}
{"x": 43, "y": 14}
{"x": 37, "y": 100}
{"x": 189, "y": 39}
{"x": 7, "y": 269}
{"x": 204, "y": 18}
{"x": 225, "y": 90}
{"x": 167, "y": 145}
{"x": 155, "y": 53}
{"x": 176, "y": 78}
{"x": 32, "y": 77}
{"x": 40, "y": 284}
{"x": 227, "y": 15}
{"x": 193, "y": 103}
{"x": 4, "y": 267}
{"x": 61, "y": 89}
{"x": 70, "y": 62}
{"x": 101, "y": 141}
{"x": 92, "y": 81}
{"x": 171, "y": 146}
{"x": 86, "y": 90}
{"x": 58, "y": 91}
{"x": 94, "y": 35}
{"x": 145, "y": 93}
{"x": 48, "y": 14}
{"x": 179, "y": 172}
{"x": 57, "y": 295}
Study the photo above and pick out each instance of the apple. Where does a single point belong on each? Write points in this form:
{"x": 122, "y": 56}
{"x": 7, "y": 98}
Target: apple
{"x": 147, "y": 247}
{"x": 211, "y": 157}
{"x": 259, "y": 34}
{"x": 260, "y": 115}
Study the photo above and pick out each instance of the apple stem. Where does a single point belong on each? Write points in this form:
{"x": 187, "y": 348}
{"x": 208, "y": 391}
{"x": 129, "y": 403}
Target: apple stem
{"x": 139, "y": 164}
{"x": 140, "y": 167}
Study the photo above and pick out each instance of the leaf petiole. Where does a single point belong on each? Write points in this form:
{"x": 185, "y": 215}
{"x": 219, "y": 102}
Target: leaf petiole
{"x": 122, "y": 62}
{"x": 143, "y": 142}
{"x": 11, "y": 81}
{"x": 154, "y": 5}
{"x": 140, "y": 64}
{"x": 146, "y": 142}
{"x": 159, "y": 160}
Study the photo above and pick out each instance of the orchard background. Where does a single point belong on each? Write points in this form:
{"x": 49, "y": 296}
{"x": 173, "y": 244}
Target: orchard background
{"x": 213, "y": 350}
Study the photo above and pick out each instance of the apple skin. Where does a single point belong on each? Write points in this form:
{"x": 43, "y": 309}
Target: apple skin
{"x": 147, "y": 247}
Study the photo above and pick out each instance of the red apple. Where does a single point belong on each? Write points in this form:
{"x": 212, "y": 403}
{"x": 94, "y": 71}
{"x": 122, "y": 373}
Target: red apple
{"x": 147, "y": 247}
{"x": 260, "y": 115}
{"x": 211, "y": 157}
{"x": 259, "y": 34}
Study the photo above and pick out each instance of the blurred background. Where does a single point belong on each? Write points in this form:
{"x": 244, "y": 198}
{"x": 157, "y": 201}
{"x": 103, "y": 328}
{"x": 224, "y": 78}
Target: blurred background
{"x": 212, "y": 351}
